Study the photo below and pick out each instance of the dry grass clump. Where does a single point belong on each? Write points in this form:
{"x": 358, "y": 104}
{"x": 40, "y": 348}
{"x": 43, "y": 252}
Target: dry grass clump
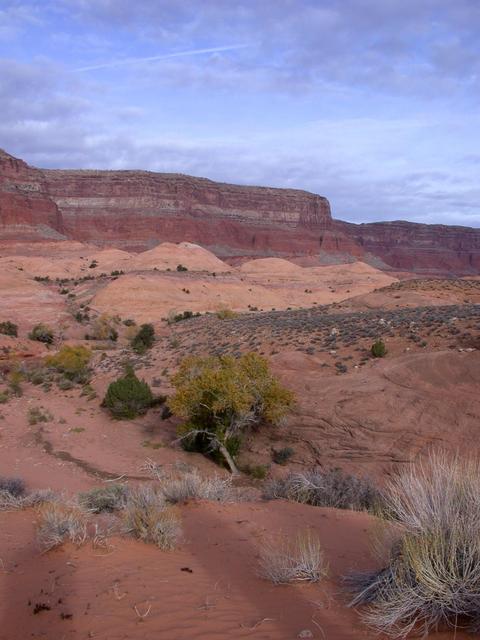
{"x": 332, "y": 488}
{"x": 298, "y": 560}
{"x": 148, "y": 518}
{"x": 13, "y": 486}
{"x": 432, "y": 577}
{"x": 58, "y": 523}
{"x": 104, "y": 499}
{"x": 191, "y": 486}
{"x": 13, "y": 495}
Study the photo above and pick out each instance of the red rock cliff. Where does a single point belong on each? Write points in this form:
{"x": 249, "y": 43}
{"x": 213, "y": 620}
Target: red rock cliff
{"x": 136, "y": 210}
{"x": 27, "y": 212}
{"x": 423, "y": 248}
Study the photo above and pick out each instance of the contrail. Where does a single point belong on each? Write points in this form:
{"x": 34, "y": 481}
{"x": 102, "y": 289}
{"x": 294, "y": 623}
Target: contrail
{"x": 128, "y": 61}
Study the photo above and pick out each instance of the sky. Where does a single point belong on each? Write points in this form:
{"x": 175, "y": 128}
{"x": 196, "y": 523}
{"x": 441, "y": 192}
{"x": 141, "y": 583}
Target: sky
{"x": 371, "y": 103}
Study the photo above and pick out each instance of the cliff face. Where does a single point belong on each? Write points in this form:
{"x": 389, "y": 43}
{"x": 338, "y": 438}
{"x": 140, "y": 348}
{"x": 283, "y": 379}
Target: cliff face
{"x": 136, "y": 210}
{"x": 27, "y": 212}
{"x": 422, "y": 248}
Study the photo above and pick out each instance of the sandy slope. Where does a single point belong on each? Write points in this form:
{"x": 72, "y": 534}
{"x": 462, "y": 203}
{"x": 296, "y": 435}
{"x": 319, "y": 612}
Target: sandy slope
{"x": 152, "y": 288}
{"x": 390, "y": 411}
{"x": 152, "y": 296}
{"x": 221, "y": 596}
{"x": 26, "y": 302}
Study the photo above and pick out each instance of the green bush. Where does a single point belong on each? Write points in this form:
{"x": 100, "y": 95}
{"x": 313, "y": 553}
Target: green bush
{"x": 144, "y": 339}
{"x": 281, "y": 456}
{"x": 9, "y": 328}
{"x": 257, "y": 471}
{"x": 180, "y": 267}
{"x": 41, "y": 333}
{"x": 378, "y": 349}
{"x": 128, "y": 397}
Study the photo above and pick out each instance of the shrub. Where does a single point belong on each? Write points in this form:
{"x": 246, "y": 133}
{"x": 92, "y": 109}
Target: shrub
{"x": 14, "y": 382}
{"x": 332, "y": 488}
{"x": 14, "y": 497}
{"x": 72, "y": 362}
{"x": 109, "y": 498}
{"x": 58, "y": 523}
{"x": 103, "y": 329}
{"x": 178, "y": 317}
{"x": 38, "y": 414}
{"x": 144, "y": 339}
{"x": 41, "y": 333}
{"x": 191, "y": 486}
{"x": 128, "y": 397}
{"x": 221, "y": 397}
{"x": 282, "y": 456}
{"x": 64, "y": 384}
{"x": 13, "y": 486}
{"x": 297, "y": 560}
{"x": 257, "y": 471}
{"x": 378, "y": 349}
{"x": 9, "y": 328}
{"x": 147, "y": 518}
{"x": 180, "y": 267}
{"x": 432, "y": 576}
{"x": 226, "y": 314}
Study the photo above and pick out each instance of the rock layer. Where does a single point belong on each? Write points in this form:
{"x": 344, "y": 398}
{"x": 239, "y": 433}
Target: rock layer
{"x": 27, "y": 212}
{"x": 136, "y": 210}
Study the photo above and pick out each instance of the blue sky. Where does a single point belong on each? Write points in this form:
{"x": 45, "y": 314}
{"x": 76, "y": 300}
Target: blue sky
{"x": 372, "y": 103}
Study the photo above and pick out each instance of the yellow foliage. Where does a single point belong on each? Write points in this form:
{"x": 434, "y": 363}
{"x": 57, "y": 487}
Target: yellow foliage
{"x": 70, "y": 359}
{"x": 227, "y": 390}
{"x": 226, "y": 314}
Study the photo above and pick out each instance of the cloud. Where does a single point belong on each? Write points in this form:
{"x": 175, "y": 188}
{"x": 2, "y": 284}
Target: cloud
{"x": 178, "y": 54}
{"x": 375, "y": 107}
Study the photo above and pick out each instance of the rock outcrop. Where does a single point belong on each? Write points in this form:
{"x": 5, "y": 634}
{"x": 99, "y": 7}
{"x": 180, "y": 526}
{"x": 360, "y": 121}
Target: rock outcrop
{"x": 136, "y": 210}
{"x": 423, "y": 248}
{"x": 27, "y": 212}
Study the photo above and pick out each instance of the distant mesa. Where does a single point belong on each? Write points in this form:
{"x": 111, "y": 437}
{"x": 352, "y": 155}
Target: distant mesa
{"x": 135, "y": 211}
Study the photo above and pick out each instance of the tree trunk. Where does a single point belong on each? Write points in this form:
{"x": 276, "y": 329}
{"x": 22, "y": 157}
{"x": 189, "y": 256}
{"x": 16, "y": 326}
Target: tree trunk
{"x": 224, "y": 451}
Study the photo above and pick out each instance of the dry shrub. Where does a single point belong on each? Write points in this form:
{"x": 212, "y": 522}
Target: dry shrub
{"x": 331, "y": 488}
{"x": 12, "y": 485}
{"x": 58, "y": 523}
{"x": 13, "y": 495}
{"x": 299, "y": 560}
{"x": 149, "y": 519}
{"x": 432, "y": 577}
{"x": 110, "y": 498}
{"x": 191, "y": 486}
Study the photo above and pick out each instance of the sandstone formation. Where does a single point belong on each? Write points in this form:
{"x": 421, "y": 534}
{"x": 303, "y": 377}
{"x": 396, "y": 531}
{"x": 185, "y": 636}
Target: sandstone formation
{"x": 27, "y": 212}
{"x": 136, "y": 210}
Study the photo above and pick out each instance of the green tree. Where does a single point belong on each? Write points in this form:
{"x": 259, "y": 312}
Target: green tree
{"x": 378, "y": 349}
{"x": 128, "y": 397}
{"x": 144, "y": 339}
{"x": 222, "y": 397}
